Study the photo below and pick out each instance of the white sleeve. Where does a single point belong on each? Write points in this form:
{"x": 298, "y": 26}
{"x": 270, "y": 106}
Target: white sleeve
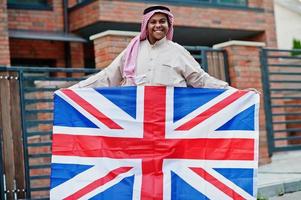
{"x": 110, "y": 76}
{"x": 195, "y": 76}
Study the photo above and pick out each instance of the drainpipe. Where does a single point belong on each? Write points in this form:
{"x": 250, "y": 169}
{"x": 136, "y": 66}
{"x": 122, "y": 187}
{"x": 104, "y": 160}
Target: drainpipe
{"x": 66, "y": 31}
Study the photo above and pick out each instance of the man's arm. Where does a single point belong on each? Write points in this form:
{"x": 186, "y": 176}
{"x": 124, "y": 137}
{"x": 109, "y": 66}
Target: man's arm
{"x": 195, "y": 76}
{"x": 110, "y": 76}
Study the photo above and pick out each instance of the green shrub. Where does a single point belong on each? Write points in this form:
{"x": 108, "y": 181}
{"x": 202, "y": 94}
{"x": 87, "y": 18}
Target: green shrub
{"x": 296, "y": 46}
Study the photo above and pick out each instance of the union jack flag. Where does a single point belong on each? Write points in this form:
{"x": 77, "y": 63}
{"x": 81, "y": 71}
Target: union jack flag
{"x": 159, "y": 143}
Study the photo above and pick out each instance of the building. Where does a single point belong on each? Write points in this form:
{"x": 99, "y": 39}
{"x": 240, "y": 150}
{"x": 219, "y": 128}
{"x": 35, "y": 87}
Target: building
{"x": 90, "y": 33}
{"x": 288, "y": 26}
{"x": 62, "y": 31}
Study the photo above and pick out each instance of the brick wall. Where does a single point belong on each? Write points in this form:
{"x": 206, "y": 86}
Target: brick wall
{"x": 270, "y": 26}
{"x": 84, "y": 16}
{"x": 255, "y": 3}
{"x": 4, "y": 47}
{"x": 205, "y": 17}
{"x": 77, "y": 57}
{"x": 38, "y": 49}
{"x": 39, "y": 20}
{"x": 107, "y": 47}
{"x": 72, "y": 3}
{"x": 245, "y": 72}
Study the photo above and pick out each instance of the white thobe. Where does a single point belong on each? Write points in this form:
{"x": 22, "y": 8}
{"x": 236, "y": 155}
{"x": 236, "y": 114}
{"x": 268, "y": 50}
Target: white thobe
{"x": 163, "y": 63}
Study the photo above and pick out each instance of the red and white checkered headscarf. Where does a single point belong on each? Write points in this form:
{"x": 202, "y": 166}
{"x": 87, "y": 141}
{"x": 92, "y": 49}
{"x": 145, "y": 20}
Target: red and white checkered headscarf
{"x": 132, "y": 48}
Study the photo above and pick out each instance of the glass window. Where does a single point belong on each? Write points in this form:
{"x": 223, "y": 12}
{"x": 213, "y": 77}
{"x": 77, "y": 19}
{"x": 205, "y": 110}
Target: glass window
{"x": 29, "y": 4}
{"x": 234, "y": 2}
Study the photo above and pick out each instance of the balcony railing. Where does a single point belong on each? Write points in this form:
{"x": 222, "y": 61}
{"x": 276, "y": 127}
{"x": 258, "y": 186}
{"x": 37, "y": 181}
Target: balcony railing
{"x": 209, "y": 3}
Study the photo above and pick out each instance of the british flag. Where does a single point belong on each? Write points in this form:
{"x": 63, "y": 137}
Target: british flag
{"x": 154, "y": 143}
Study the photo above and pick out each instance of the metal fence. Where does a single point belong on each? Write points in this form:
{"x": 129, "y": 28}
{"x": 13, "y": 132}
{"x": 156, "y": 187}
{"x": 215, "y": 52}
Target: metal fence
{"x": 35, "y": 91}
{"x": 2, "y": 177}
{"x": 36, "y": 87}
{"x": 213, "y": 61}
{"x": 281, "y": 72}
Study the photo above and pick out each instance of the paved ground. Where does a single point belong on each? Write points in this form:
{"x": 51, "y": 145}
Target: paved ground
{"x": 282, "y": 176}
{"x": 289, "y": 196}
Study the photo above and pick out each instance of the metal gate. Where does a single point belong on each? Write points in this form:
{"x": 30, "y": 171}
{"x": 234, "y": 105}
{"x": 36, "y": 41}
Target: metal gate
{"x": 35, "y": 90}
{"x": 36, "y": 87}
{"x": 281, "y": 73}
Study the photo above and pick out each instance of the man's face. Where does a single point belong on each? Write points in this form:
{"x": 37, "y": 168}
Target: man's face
{"x": 157, "y": 27}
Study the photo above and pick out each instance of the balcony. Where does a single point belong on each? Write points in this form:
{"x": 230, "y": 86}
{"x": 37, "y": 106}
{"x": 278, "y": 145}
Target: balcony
{"x": 236, "y": 4}
{"x": 208, "y": 22}
{"x": 207, "y": 3}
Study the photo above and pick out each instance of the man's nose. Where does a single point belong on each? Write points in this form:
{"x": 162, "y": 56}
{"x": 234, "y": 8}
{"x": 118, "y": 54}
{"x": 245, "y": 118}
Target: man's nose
{"x": 158, "y": 24}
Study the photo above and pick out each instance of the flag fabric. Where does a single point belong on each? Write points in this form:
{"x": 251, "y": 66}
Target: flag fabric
{"x": 159, "y": 143}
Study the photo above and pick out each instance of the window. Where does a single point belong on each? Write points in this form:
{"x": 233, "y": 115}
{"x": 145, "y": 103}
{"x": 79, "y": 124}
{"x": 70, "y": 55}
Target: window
{"x": 213, "y": 3}
{"x": 29, "y": 4}
{"x": 233, "y": 2}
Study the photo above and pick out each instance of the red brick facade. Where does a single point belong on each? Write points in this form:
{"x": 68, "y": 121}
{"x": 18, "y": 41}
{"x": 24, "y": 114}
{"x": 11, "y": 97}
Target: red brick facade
{"x": 108, "y": 46}
{"x": 38, "y": 20}
{"x": 129, "y": 12}
{"x": 38, "y": 49}
{"x": 4, "y": 47}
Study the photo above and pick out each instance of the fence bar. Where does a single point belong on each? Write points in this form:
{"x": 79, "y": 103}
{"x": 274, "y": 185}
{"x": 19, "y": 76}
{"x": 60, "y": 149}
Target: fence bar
{"x": 286, "y": 97}
{"x": 286, "y": 57}
{"x": 287, "y": 122}
{"x": 26, "y": 158}
{"x": 285, "y": 81}
{"x": 38, "y": 111}
{"x": 287, "y": 106}
{"x": 49, "y": 69}
{"x": 283, "y": 50}
{"x": 28, "y": 101}
{"x": 39, "y": 166}
{"x": 287, "y": 148}
{"x": 285, "y": 65}
{"x": 2, "y": 183}
{"x": 289, "y": 113}
{"x": 285, "y": 73}
{"x": 35, "y": 78}
{"x": 35, "y": 133}
{"x": 41, "y": 155}
{"x": 289, "y": 138}
{"x": 267, "y": 100}
{"x": 39, "y": 144}
{"x": 288, "y": 130}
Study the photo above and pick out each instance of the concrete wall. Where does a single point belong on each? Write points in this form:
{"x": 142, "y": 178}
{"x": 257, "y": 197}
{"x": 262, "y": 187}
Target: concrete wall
{"x": 288, "y": 26}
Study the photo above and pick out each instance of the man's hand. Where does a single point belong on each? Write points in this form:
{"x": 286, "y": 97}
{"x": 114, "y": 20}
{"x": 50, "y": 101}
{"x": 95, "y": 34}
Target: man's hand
{"x": 253, "y": 90}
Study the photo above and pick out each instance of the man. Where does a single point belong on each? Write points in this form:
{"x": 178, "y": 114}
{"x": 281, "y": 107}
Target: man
{"x": 152, "y": 58}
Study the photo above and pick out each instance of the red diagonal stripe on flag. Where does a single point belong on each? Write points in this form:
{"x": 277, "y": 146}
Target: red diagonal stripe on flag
{"x": 91, "y": 109}
{"x": 99, "y": 182}
{"x": 211, "y": 111}
{"x": 214, "y": 181}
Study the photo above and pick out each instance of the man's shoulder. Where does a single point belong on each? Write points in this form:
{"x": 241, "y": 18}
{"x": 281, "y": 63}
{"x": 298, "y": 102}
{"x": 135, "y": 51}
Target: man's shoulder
{"x": 177, "y": 47}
